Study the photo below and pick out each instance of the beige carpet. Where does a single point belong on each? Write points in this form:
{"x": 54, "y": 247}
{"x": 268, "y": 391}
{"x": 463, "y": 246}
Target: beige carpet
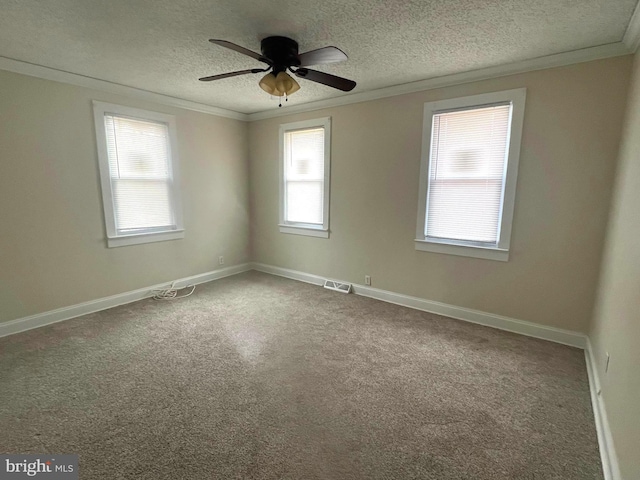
{"x": 259, "y": 377}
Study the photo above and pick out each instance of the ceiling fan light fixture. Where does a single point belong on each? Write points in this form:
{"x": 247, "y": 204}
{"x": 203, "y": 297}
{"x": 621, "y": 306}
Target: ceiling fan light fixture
{"x": 268, "y": 84}
{"x": 286, "y": 85}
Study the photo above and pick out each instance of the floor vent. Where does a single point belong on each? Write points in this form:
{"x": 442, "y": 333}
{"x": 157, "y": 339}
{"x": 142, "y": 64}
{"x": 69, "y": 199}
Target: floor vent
{"x": 337, "y": 286}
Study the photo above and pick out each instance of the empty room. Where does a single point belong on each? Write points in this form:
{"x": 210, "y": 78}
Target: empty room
{"x": 320, "y": 240}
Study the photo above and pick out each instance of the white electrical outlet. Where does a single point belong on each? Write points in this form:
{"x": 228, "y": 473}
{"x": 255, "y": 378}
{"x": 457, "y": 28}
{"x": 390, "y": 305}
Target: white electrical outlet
{"x": 221, "y": 260}
{"x": 367, "y": 279}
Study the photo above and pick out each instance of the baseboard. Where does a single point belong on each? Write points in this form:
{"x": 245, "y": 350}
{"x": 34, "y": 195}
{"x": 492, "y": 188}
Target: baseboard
{"x": 566, "y": 337}
{"x": 66, "y": 313}
{"x": 292, "y": 274}
{"x": 608, "y": 456}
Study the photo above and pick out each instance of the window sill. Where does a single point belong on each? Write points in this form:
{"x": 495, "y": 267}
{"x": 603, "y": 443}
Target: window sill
{"x": 308, "y": 231}
{"x": 137, "y": 239}
{"x": 488, "y": 253}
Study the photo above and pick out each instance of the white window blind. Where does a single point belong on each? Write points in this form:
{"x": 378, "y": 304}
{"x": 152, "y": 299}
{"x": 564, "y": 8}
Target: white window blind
{"x": 140, "y": 173}
{"x": 468, "y": 161}
{"x": 304, "y": 176}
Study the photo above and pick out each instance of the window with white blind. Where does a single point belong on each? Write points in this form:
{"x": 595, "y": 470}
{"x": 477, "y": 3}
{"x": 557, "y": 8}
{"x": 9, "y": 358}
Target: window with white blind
{"x": 471, "y": 148}
{"x": 304, "y": 177}
{"x": 139, "y": 174}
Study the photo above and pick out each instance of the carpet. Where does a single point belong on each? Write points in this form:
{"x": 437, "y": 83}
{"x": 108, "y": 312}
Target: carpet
{"x": 259, "y": 377}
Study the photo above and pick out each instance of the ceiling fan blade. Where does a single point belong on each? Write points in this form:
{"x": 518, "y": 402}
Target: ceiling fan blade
{"x": 231, "y": 74}
{"x": 326, "y": 79}
{"x": 239, "y": 49}
{"x": 322, "y": 56}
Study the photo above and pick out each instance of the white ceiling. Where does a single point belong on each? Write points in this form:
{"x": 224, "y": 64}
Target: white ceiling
{"x": 161, "y": 45}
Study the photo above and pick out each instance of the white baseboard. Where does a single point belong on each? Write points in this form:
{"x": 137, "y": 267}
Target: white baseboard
{"x": 608, "y": 455}
{"x": 66, "y": 313}
{"x": 292, "y": 274}
{"x": 566, "y": 337}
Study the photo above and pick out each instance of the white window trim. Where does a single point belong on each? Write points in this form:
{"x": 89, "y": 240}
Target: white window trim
{"x": 295, "y": 228}
{"x": 500, "y": 252}
{"x": 113, "y": 238}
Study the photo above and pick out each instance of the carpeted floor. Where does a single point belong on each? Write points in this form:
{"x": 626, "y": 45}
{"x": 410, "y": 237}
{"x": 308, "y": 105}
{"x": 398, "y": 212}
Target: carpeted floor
{"x": 259, "y": 377}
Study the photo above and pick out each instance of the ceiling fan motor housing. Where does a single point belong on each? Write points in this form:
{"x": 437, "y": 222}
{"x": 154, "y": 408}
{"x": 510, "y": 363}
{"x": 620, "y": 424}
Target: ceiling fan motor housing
{"x": 282, "y": 51}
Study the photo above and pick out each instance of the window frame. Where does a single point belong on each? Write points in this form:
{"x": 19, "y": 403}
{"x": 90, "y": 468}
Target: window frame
{"x": 299, "y": 228}
{"x": 115, "y": 239}
{"x": 500, "y": 251}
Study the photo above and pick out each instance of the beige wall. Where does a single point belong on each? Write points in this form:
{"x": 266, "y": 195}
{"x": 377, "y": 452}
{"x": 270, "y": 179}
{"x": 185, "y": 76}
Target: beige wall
{"x": 616, "y": 324}
{"x": 573, "y": 119}
{"x": 52, "y": 241}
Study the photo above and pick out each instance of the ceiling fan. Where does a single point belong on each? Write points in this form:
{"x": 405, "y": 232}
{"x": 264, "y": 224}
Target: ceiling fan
{"x": 281, "y": 54}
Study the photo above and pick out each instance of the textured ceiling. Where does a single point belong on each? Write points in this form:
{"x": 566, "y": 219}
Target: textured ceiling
{"x": 161, "y": 45}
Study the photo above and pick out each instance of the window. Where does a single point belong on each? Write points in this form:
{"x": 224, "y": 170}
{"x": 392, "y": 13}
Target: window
{"x": 468, "y": 174}
{"x": 139, "y": 175}
{"x": 304, "y": 177}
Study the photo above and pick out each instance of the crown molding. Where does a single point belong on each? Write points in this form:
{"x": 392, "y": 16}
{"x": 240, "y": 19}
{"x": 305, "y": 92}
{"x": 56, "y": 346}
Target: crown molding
{"x": 631, "y": 37}
{"x": 629, "y": 45}
{"x": 540, "y": 63}
{"x": 33, "y": 70}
